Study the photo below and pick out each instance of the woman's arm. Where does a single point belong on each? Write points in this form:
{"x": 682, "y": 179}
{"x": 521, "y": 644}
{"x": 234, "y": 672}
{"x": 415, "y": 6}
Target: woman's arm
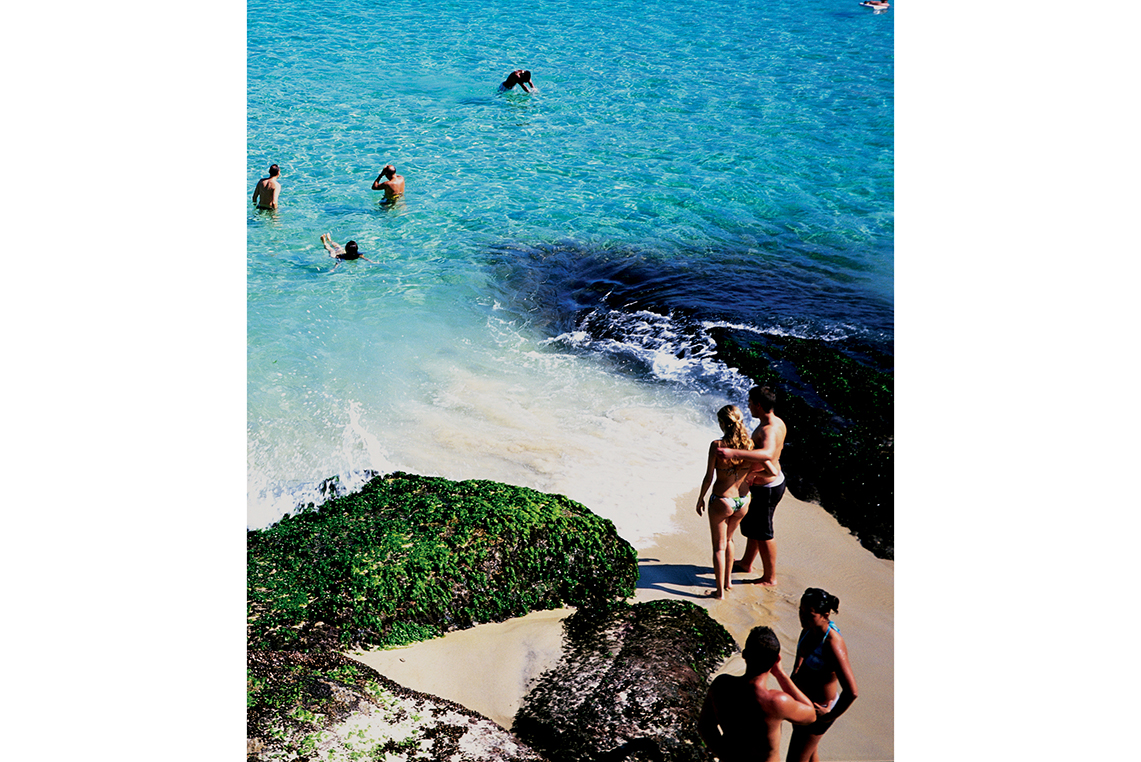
{"x": 708, "y": 480}
{"x": 846, "y": 677}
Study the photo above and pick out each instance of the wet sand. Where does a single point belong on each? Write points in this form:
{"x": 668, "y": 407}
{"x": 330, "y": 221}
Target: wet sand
{"x": 488, "y": 668}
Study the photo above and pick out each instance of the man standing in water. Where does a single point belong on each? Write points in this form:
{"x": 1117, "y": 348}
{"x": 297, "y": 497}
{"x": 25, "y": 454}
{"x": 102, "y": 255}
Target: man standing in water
{"x": 767, "y": 486}
{"x": 268, "y": 189}
{"x": 393, "y": 185}
{"x": 742, "y": 716}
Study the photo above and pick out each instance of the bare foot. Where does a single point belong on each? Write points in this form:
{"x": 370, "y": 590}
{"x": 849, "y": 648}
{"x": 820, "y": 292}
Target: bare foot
{"x": 715, "y": 594}
{"x": 739, "y": 567}
{"x": 766, "y": 582}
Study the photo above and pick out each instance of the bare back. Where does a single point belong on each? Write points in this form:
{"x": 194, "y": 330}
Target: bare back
{"x": 265, "y": 193}
{"x": 729, "y": 478}
{"x": 750, "y": 717}
{"x": 393, "y": 187}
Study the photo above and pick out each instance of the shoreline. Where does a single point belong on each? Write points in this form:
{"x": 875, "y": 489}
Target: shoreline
{"x": 488, "y": 668}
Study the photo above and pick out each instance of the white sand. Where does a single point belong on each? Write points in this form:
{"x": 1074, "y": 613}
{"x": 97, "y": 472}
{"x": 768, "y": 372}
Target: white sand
{"x": 488, "y": 668}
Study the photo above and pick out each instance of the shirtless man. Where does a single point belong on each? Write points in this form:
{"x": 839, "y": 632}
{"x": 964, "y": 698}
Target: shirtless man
{"x": 767, "y": 485}
{"x": 521, "y": 77}
{"x": 393, "y": 185}
{"x": 347, "y": 252}
{"x": 741, "y": 718}
{"x": 268, "y": 189}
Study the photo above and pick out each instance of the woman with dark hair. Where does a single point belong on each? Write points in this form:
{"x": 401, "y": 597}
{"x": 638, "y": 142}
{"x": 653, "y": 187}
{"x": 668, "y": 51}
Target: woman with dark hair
{"x": 521, "y": 77}
{"x": 822, "y": 671}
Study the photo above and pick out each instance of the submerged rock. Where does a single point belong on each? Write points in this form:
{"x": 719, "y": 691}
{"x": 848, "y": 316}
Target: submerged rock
{"x": 411, "y": 557}
{"x": 630, "y": 685}
{"x": 326, "y": 706}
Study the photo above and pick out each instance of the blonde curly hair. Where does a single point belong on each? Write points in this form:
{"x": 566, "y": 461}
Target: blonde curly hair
{"x": 732, "y": 423}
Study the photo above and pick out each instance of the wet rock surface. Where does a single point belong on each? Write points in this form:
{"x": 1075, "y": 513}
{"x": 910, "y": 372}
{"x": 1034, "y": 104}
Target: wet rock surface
{"x": 325, "y": 706}
{"x": 630, "y": 685}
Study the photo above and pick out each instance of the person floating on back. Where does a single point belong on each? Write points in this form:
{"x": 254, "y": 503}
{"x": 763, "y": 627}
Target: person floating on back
{"x": 742, "y": 716}
{"x": 268, "y": 189}
{"x": 521, "y": 77}
{"x": 393, "y": 185}
{"x": 346, "y": 252}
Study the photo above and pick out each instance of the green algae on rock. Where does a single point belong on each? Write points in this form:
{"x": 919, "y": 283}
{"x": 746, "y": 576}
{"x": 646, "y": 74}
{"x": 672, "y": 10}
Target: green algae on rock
{"x": 325, "y": 706}
{"x": 630, "y": 684}
{"x": 837, "y": 399}
{"x": 410, "y": 557}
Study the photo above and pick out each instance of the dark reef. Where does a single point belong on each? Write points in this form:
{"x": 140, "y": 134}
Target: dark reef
{"x": 630, "y": 685}
{"x": 837, "y": 399}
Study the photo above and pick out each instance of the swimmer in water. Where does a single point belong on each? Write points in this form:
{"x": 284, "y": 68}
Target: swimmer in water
{"x": 267, "y": 190}
{"x": 346, "y": 252}
{"x": 521, "y": 77}
{"x": 393, "y": 185}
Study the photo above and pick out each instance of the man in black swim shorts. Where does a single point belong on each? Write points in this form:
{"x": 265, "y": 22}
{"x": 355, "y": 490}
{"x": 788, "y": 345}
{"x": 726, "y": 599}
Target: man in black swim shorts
{"x": 767, "y": 487}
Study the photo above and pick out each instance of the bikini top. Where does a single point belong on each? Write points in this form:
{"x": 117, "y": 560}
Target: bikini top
{"x": 815, "y": 660}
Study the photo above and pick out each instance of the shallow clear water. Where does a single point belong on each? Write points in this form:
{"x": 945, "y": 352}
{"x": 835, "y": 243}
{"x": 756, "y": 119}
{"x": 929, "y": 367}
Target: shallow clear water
{"x": 537, "y": 308}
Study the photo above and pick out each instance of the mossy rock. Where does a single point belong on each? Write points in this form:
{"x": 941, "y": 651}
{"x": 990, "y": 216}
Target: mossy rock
{"x": 837, "y": 399}
{"x": 327, "y": 706}
{"x": 629, "y": 686}
{"x": 410, "y": 557}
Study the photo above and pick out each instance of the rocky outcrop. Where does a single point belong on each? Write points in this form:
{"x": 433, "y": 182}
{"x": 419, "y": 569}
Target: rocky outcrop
{"x": 837, "y": 400}
{"x": 630, "y": 685}
{"x": 328, "y": 707}
{"x": 410, "y": 557}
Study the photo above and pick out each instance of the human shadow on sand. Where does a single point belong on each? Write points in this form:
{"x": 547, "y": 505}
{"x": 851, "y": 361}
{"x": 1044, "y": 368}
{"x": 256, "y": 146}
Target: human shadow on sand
{"x": 676, "y": 579}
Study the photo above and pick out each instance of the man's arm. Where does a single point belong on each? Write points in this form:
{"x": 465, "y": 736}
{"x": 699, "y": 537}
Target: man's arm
{"x": 762, "y": 452}
{"x": 377, "y": 184}
{"x": 799, "y": 709}
{"x": 276, "y": 193}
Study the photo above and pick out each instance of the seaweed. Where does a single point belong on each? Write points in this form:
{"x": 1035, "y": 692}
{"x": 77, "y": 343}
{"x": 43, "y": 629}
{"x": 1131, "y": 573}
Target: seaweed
{"x": 837, "y": 400}
{"x": 409, "y": 558}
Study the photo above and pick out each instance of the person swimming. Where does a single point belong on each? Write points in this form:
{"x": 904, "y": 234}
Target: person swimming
{"x": 521, "y": 77}
{"x": 348, "y": 252}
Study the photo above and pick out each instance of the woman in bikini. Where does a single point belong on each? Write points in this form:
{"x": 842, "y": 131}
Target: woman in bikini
{"x": 822, "y": 671}
{"x": 726, "y": 506}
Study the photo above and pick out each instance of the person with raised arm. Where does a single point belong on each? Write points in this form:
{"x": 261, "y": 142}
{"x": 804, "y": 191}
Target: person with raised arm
{"x": 392, "y": 185}
{"x": 741, "y": 718}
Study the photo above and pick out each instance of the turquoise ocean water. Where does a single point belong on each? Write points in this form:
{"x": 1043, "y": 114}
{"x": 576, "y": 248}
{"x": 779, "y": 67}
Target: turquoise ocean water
{"x": 538, "y": 307}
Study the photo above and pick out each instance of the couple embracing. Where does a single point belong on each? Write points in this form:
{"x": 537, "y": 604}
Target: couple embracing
{"x": 747, "y": 483}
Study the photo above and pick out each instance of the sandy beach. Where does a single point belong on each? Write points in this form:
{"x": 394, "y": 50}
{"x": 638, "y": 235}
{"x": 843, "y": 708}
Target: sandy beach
{"x": 489, "y": 668}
